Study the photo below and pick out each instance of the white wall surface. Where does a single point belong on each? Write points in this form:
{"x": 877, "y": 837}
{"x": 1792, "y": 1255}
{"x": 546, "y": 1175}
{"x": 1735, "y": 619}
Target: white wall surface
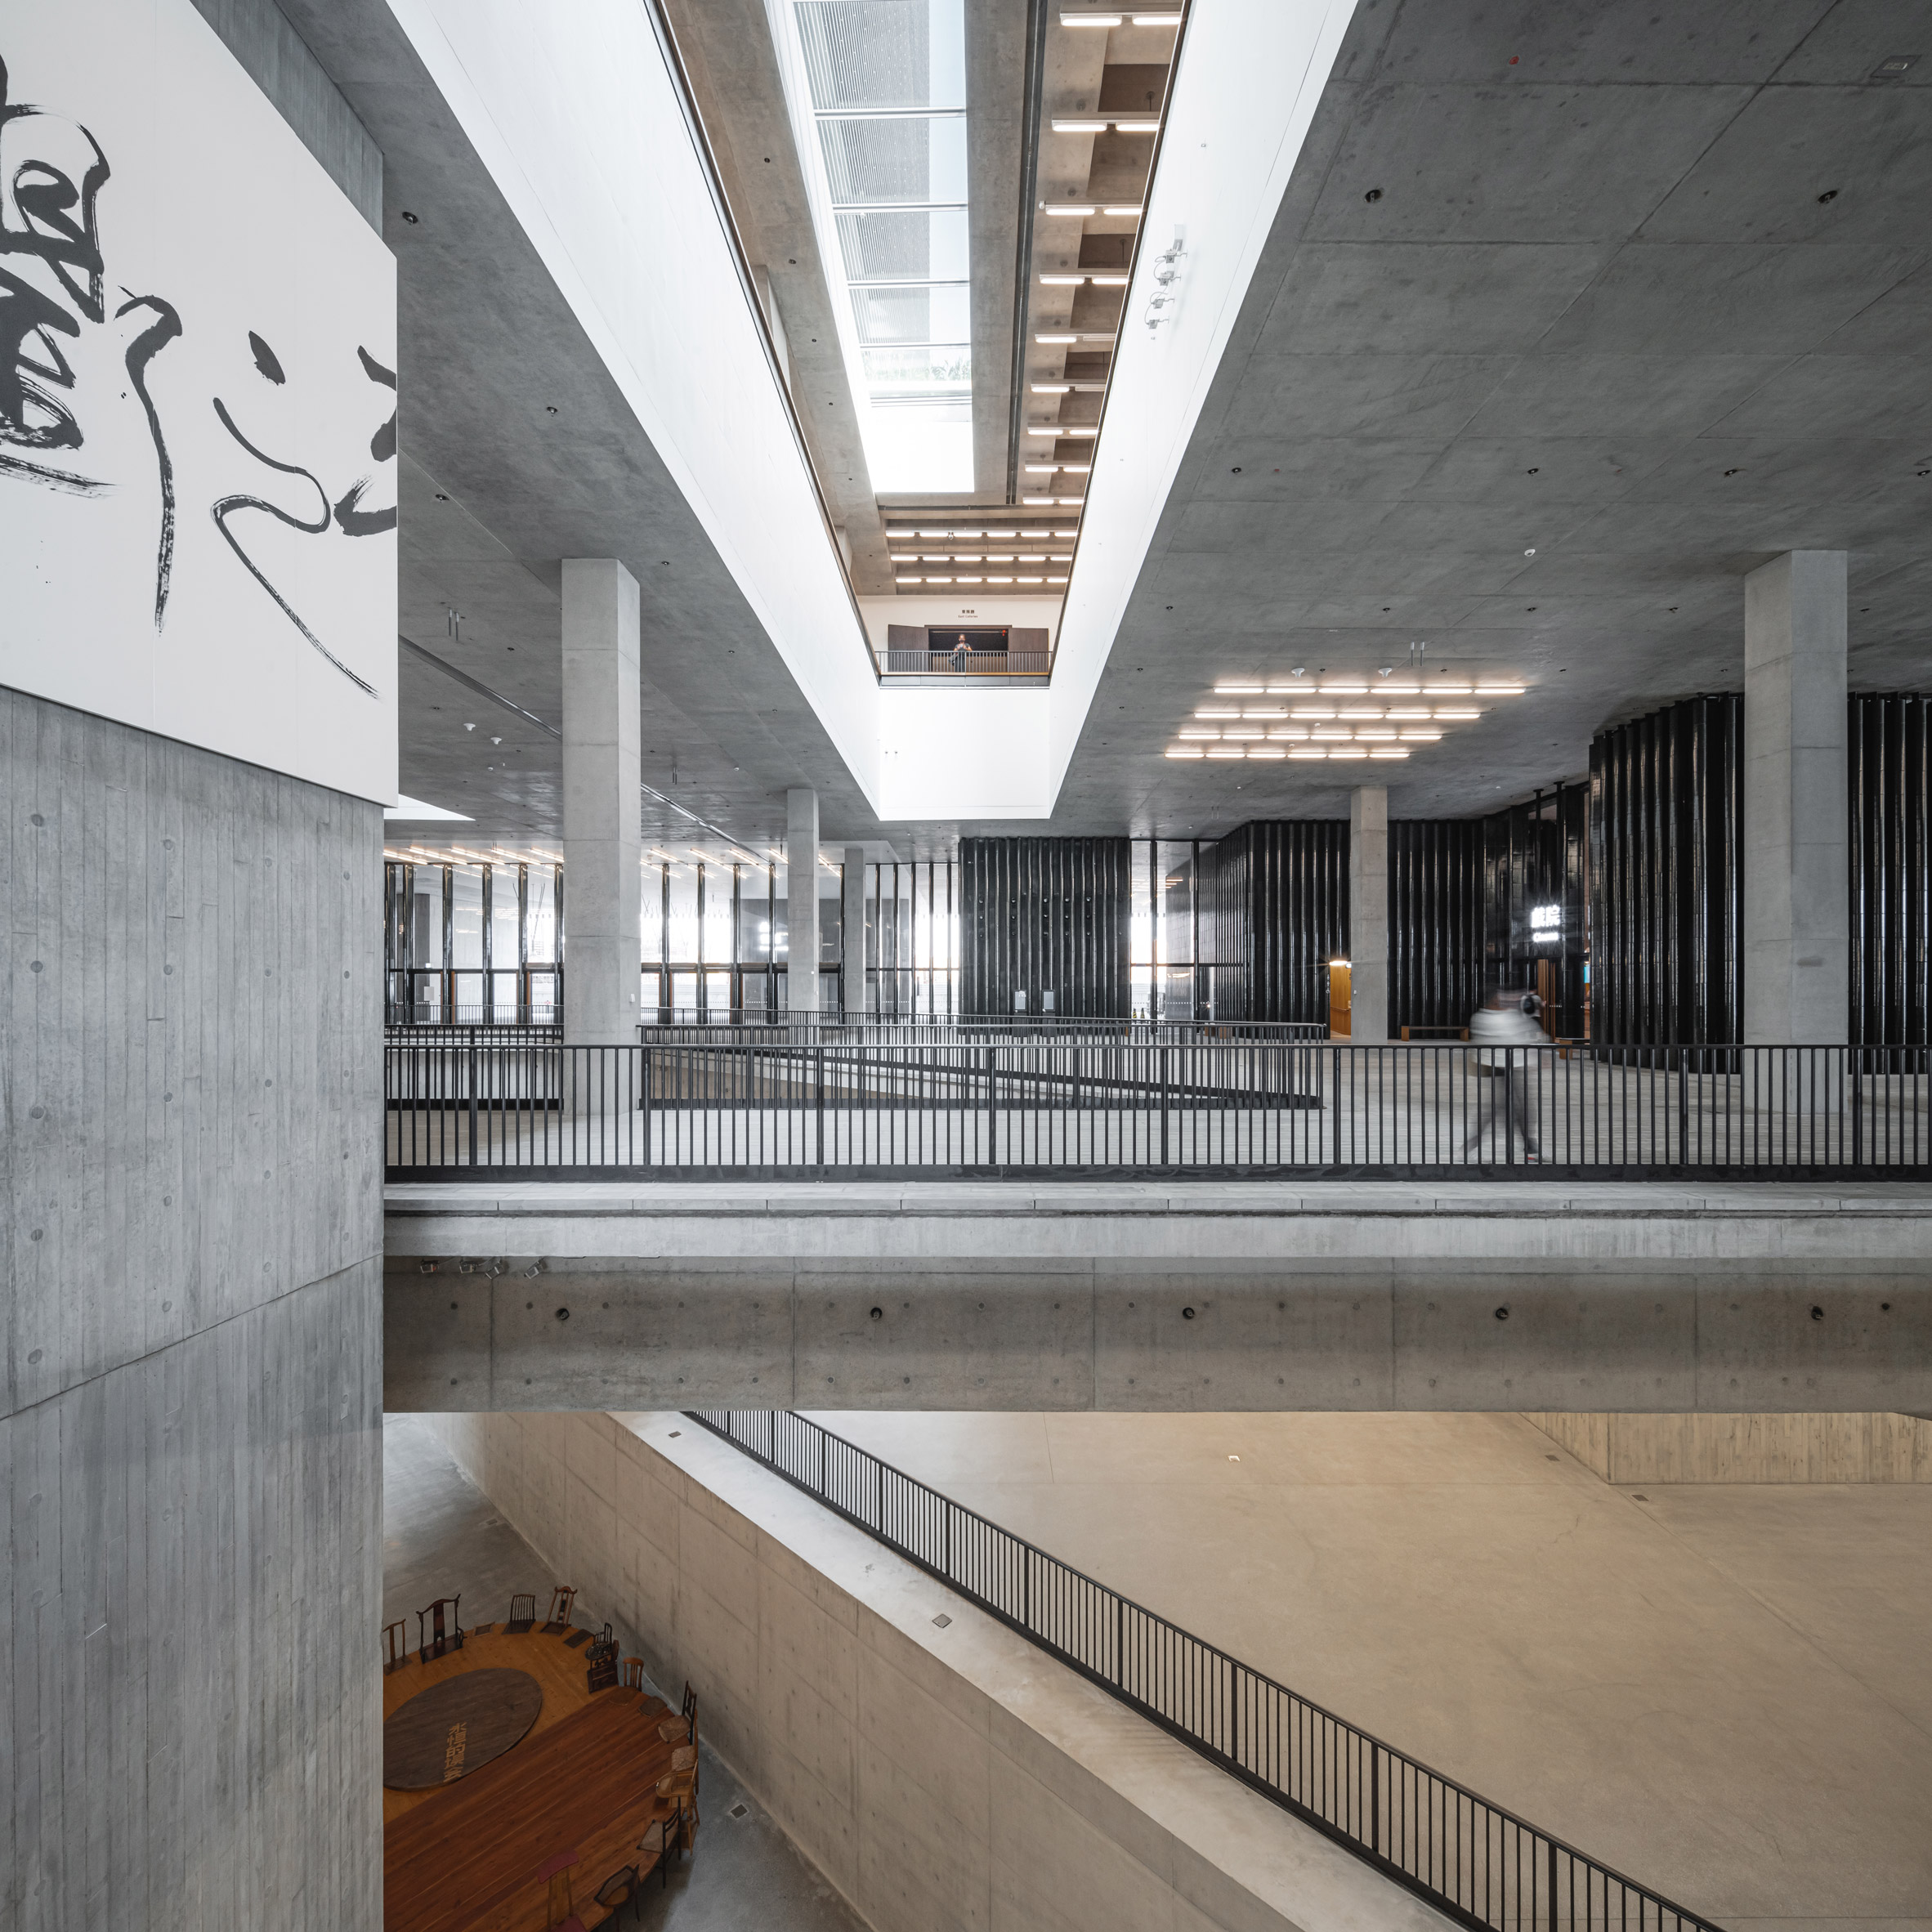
{"x": 965, "y": 754}
{"x": 941, "y": 1778}
{"x": 192, "y": 446}
{"x": 573, "y": 112}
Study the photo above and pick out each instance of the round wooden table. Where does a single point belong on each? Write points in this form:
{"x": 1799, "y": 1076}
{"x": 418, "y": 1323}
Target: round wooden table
{"x": 455, "y": 1726}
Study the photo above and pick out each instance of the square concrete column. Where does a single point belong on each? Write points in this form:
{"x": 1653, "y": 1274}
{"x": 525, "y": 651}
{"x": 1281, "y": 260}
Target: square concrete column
{"x": 1368, "y": 913}
{"x": 852, "y": 931}
{"x": 602, "y": 945}
{"x": 1796, "y": 923}
{"x": 801, "y": 861}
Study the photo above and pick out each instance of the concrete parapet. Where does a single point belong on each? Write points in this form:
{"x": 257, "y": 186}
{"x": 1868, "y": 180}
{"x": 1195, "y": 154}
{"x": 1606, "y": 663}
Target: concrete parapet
{"x": 1723, "y": 1448}
{"x": 937, "y": 1768}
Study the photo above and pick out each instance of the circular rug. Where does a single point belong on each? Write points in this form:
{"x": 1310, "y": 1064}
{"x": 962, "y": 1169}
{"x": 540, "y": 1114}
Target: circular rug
{"x": 454, "y": 1727}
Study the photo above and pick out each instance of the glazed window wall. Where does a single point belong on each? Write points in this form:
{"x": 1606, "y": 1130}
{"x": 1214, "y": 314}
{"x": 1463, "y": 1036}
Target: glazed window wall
{"x": 471, "y": 944}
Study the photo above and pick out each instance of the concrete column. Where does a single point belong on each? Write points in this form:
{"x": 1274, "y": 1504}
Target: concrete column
{"x": 1368, "y": 913}
{"x": 801, "y": 859}
{"x": 601, "y": 839}
{"x": 1796, "y": 938}
{"x": 852, "y": 919}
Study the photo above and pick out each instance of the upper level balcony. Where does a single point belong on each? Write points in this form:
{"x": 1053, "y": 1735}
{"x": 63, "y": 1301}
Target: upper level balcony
{"x": 938, "y": 655}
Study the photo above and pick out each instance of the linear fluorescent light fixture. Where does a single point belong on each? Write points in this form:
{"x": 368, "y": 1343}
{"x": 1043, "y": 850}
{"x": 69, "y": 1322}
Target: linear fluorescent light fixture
{"x": 1061, "y": 208}
{"x": 1070, "y": 19}
{"x": 1081, "y": 127}
{"x": 1157, "y": 19}
{"x": 1135, "y": 211}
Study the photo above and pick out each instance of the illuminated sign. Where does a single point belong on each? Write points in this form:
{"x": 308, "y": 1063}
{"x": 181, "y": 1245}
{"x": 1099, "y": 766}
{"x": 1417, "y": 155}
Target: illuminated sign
{"x": 1546, "y": 922}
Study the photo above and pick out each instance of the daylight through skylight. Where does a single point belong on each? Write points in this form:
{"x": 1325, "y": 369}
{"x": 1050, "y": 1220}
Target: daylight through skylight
{"x": 877, "y": 94}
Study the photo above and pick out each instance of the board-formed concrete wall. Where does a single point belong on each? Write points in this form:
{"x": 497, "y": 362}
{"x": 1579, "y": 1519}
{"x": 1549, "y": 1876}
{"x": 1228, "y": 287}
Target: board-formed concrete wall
{"x": 939, "y": 1770}
{"x": 1802, "y": 1448}
{"x": 191, "y": 1416}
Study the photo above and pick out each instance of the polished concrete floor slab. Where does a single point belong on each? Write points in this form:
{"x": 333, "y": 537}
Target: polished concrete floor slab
{"x": 441, "y": 1534}
{"x": 1724, "y": 1691}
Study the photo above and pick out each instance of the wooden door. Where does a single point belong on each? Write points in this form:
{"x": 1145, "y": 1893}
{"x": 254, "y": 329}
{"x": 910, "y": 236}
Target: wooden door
{"x": 1337, "y": 999}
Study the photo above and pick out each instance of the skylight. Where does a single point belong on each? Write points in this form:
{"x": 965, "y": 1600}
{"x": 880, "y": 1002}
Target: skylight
{"x": 877, "y": 94}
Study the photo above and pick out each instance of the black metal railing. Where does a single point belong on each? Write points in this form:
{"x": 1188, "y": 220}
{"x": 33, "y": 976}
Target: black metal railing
{"x": 966, "y": 663}
{"x": 1473, "y": 1860}
{"x": 1199, "y": 1107}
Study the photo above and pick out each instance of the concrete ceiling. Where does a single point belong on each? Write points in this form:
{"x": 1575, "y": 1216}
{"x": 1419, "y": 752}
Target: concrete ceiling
{"x": 1597, "y": 309}
{"x": 1556, "y": 279}
{"x": 519, "y": 451}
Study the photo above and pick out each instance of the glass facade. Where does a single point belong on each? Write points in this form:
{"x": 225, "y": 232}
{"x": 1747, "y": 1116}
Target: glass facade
{"x": 475, "y": 942}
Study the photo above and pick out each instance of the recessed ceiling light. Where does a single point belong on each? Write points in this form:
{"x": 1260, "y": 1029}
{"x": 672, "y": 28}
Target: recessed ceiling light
{"x": 1183, "y": 751}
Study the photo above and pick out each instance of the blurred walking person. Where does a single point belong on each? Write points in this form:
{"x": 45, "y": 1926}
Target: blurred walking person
{"x": 1501, "y": 1029}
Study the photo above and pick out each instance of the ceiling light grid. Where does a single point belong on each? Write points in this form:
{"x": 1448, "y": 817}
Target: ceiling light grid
{"x": 1343, "y": 718}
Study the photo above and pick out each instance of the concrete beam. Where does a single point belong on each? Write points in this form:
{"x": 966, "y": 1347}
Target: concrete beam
{"x": 1368, "y": 1296}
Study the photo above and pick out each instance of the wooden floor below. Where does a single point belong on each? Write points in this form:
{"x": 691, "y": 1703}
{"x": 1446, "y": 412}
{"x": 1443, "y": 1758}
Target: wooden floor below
{"x": 463, "y": 1857}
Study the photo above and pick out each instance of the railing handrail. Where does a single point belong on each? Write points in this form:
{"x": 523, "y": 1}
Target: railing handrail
{"x": 721, "y": 1423}
{"x": 1145, "y": 1102}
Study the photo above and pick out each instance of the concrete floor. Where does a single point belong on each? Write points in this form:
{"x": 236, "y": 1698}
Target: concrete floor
{"x": 441, "y": 1534}
{"x": 1726, "y": 1692}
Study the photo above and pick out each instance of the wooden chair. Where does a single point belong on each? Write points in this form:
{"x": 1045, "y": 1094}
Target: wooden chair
{"x": 554, "y": 1875}
{"x": 602, "y": 1659}
{"x": 396, "y": 1645}
{"x": 440, "y": 1637}
{"x": 523, "y": 1616}
{"x": 562, "y": 1599}
{"x": 674, "y": 1730}
{"x": 618, "y": 1891}
{"x": 662, "y": 1837}
{"x": 633, "y": 1673}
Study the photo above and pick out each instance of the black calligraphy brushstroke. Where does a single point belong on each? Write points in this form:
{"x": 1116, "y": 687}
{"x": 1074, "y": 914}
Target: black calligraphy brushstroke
{"x": 381, "y": 445}
{"x": 164, "y": 329}
{"x": 363, "y": 523}
{"x": 44, "y": 196}
{"x": 27, "y": 315}
{"x": 266, "y": 360}
{"x": 226, "y": 506}
{"x": 62, "y": 480}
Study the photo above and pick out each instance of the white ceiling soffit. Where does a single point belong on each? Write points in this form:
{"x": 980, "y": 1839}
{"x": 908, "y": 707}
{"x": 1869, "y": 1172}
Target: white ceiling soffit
{"x": 573, "y": 112}
{"x": 1250, "y": 76}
